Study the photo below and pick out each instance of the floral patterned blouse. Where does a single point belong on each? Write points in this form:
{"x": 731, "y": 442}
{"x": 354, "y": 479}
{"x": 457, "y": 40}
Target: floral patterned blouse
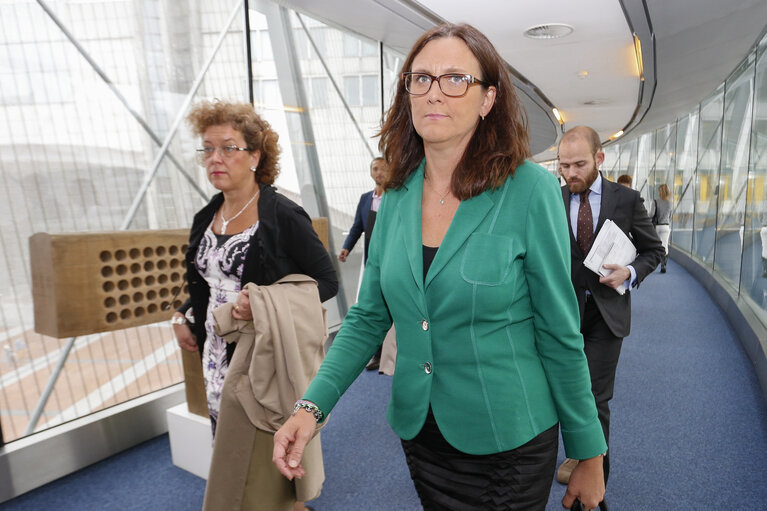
{"x": 220, "y": 260}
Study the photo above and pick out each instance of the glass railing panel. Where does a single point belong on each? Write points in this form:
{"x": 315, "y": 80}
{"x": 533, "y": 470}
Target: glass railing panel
{"x": 753, "y": 285}
{"x": 707, "y": 176}
{"x": 611, "y": 166}
{"x": 645, "y": 158}
{"x": 661, "y": 171}
{"x": 684, "y": 182}
{"x": 733, "y": 178}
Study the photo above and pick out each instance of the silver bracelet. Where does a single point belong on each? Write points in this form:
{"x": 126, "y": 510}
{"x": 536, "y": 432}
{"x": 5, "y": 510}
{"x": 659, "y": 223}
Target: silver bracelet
{"x": 309, "y": 407}
{"x": 176, "y": 320}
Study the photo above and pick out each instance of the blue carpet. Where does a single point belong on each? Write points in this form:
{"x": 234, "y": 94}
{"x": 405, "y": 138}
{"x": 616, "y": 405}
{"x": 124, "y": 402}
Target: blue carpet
{"x": 689, "y": 430}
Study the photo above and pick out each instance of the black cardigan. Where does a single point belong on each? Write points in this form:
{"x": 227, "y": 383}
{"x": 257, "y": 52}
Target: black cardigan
{"x": 286, "y": 243}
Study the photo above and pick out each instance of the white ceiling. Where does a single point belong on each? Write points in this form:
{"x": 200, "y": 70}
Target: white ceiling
{"x": 601, "y": 45}
{"x": 698, "y": 43}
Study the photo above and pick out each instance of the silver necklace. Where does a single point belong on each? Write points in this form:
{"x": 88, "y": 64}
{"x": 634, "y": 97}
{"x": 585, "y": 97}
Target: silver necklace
{"x": 441, "y": 199}
{"x": 225, "y": 222}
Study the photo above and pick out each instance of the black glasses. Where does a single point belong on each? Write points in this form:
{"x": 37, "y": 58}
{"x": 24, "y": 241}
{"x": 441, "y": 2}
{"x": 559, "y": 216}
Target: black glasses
{"x": 453, "y": 85}
{"x": 207, "y": 152}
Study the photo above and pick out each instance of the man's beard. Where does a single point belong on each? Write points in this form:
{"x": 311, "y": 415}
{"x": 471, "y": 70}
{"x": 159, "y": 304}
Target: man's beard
{"x": 580, "y": 186}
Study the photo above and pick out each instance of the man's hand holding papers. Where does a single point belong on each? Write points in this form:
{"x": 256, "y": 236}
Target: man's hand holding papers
{"x": 610, "y": 253}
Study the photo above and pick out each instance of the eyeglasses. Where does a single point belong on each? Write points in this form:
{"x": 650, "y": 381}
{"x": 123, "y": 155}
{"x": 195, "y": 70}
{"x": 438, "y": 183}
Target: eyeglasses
{"x": 228, "y": 151}
{"x": 453, "y": 85}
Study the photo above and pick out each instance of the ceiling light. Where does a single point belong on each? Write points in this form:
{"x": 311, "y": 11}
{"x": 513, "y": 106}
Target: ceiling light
{"x": 616, "y": 135}
{"x": 548, "y": 31}
{"x": 557, "y": 115}
{"x": 582, "y": 74}
{"x": 638, "y": 55}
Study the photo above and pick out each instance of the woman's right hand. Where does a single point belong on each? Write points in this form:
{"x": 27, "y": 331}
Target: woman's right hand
{"x": 184, "y": 336}
{"x": 290, "y": 441}
{"x": 587, "y": 484}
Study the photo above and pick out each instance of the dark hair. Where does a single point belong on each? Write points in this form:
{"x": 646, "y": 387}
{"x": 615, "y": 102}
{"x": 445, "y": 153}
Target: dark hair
{"x": 499, "y": 144}
{"x": 258, "y": 134}
{"x": 377, "y": 158}
{"x": 625, "y": 179}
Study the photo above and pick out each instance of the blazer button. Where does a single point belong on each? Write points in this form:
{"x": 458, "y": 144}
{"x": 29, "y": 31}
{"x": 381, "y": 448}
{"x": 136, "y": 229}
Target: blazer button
{"x": 425, "y": 325}
{"x": 427, "y": 368}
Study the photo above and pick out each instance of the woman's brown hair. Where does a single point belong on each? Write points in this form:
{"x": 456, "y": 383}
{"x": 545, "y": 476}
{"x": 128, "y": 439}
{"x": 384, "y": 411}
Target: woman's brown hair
{"x": 499, "y": 144}
{"x": 258, "y": 134}
{"x": 664, "y": 192}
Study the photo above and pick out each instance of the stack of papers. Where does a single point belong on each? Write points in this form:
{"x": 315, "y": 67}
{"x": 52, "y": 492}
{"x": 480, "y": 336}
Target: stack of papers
{"x": 611, "y": 246}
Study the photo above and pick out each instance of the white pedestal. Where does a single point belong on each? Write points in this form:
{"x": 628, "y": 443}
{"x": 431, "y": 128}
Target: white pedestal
{"x": 191, "y": 442}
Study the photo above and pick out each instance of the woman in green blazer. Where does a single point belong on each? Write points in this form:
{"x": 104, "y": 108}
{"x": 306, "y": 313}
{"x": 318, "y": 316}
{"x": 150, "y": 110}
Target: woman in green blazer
{"x": 470, "y": 260}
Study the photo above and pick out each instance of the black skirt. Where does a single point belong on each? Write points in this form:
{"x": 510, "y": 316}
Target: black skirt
{"x": 447, "y": 479}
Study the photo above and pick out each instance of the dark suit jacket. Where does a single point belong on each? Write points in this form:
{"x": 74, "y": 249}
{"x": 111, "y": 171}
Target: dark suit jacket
{"x": 625, "y": 207}
{"x": 360, "y": 224}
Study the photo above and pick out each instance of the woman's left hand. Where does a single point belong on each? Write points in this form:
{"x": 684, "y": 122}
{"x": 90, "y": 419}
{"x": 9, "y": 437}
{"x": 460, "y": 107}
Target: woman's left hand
{"x": 241, "y": 309}
{"x": 587, "y": 483}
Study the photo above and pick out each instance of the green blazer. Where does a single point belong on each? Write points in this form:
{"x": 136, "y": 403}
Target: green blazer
{"x": 490, "y": 338}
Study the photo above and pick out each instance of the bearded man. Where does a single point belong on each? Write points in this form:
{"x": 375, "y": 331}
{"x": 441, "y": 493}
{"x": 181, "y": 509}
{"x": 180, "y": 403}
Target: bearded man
{"x": 589, "y": 201}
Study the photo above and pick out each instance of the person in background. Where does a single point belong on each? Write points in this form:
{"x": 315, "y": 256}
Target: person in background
{"x": 364, "y": 220}
{"x": 470, "y": 260}
{"x": 661, "y": 219}
{"x": 763, "y": 238}
{"x": 625, "y": 180}
{"x": 246, "y": 233}
{"x": 605, "y": 314}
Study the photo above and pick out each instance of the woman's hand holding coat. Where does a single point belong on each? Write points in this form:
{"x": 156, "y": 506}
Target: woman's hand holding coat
{"x": 241, "y": 309}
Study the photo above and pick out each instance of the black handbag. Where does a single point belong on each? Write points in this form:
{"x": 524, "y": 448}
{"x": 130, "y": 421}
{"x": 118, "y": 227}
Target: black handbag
{"x": 578, "y": 506}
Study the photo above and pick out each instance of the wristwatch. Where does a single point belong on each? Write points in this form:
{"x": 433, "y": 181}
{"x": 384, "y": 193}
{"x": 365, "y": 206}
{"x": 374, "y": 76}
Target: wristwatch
{"x": 176, "y": 320}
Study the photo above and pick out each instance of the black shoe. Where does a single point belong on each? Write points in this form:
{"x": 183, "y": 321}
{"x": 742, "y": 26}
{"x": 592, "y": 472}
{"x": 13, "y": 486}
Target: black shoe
{"x": 374, "y": 363}
{"x": 663, "y": 269}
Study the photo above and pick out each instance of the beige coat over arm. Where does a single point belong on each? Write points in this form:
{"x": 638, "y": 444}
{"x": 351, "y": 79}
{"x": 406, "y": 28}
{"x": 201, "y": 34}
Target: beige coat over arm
{"x": 277, "y": 355}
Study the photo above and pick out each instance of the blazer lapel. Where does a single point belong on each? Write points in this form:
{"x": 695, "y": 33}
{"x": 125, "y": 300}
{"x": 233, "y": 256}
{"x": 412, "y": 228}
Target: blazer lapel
{"x": 409, "y": 209}
{"x": 609, "y": 202}
{"x": 467, "y": 218}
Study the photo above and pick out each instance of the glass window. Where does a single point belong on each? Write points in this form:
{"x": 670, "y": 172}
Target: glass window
{"x": 645, "y": 157}
{"x": 319, "y": 88}
{"x": 320, "y": 40}
{"x": 264, "y": 50}
{"x": 369, "y": 49}
{"x": 754, "y": 269}
{"x": 301, "y": 42}
{"x": 661, "y": 173}
{"x": 351, "y": 46}
{"x": 610, "y": 167}
{"x": 392, "y": 65}
{"x": 370, "y": 90}
{"x": 707, "y": 176}
{"x": 684, "y": 181}
{"x": 271, "y": 93}
{"x": 733, "y": 177}
{"x": 352, "y": 90}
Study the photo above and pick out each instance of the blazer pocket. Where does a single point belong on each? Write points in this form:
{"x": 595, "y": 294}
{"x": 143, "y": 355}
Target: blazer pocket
{"x": 487, "y": 259}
